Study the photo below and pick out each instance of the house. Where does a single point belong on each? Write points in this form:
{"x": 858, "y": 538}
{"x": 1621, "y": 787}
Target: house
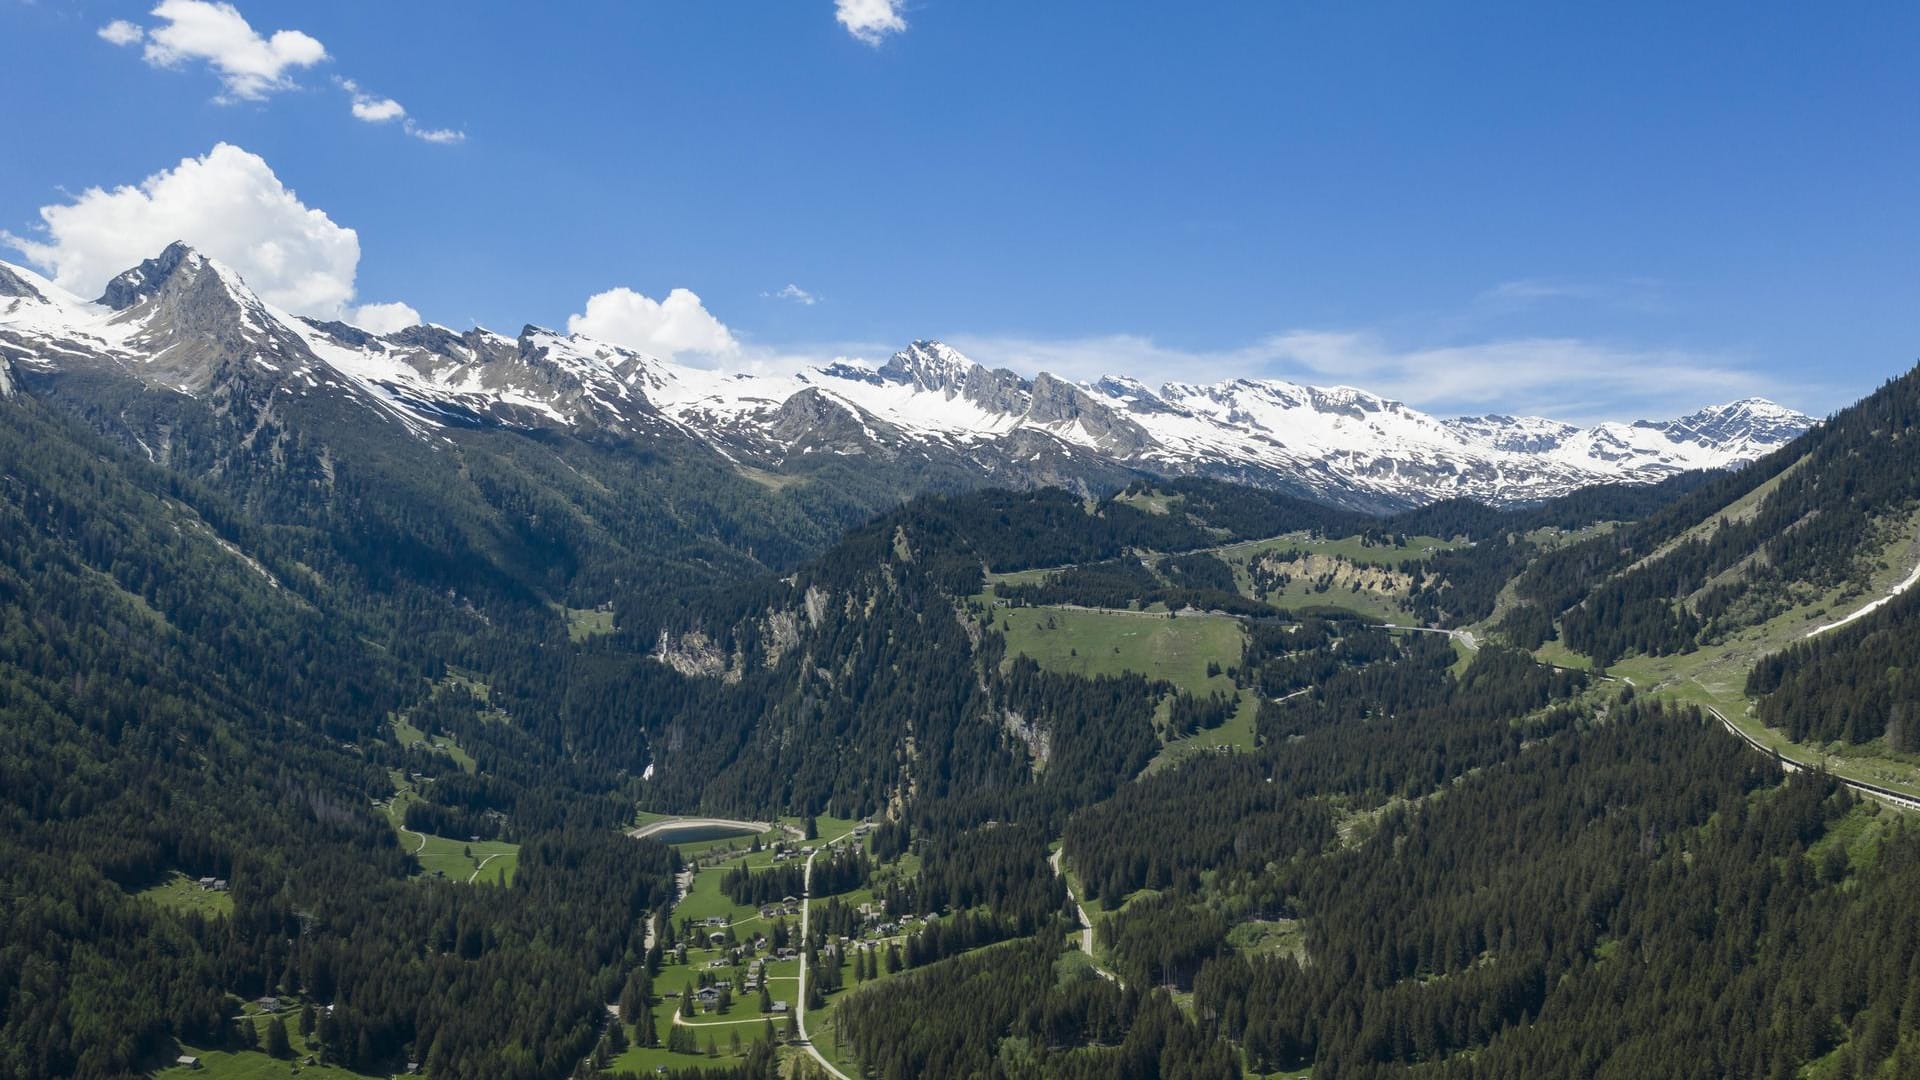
{"x": 716, "y": 920}
{"x": 187, "y": 1061}
{"x": 206, "y": 883}
{"x": 790, "y": 901}
{"x": 779, "y": 1006}
{"x": 269, "y": 1004}
{"x": 707, "y": 996}
{"x": 717, "y": 938}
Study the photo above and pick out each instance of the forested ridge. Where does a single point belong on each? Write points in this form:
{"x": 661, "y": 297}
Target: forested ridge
{"x": 256, "y": 659}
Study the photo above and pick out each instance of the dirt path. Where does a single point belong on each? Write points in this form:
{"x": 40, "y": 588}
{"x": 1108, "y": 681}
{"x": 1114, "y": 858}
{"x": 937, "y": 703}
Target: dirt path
{"x": 1086, "y": 933}
{"x": 476, "y": 870}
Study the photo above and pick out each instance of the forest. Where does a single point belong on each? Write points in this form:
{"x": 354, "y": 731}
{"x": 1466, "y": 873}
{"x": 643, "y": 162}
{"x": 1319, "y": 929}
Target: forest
{"x": 288, "y": 663}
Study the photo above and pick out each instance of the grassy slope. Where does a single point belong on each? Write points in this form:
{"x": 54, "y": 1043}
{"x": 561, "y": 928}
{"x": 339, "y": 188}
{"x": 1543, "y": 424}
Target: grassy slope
{"x": 256, "y": 1064}
{"x": 182, "y": 893}
{"x": 1092, "y": 643}
{"x": 456, "y": 860}
{"x": 1716, "y": 674}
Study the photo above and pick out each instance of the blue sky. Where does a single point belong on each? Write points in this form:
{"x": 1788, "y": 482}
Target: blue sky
{"x": 1602, "y": 210}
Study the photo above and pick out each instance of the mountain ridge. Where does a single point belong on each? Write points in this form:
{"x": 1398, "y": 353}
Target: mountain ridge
{"x": 176, "y": 319}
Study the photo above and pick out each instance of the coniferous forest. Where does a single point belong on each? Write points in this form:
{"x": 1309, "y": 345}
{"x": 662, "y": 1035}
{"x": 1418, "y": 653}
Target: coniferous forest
{"x": 1330, "y": 844}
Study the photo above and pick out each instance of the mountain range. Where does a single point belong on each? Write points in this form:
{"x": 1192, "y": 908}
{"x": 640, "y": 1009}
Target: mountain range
{"x": 184, "y": 323}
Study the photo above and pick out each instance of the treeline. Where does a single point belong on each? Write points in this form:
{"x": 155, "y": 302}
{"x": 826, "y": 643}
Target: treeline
{"x": 841, "y": 870}
{"x": 1855, "y": 684}
{"x": 1007, "y": 1012}
{"x": 1128, "y": 583}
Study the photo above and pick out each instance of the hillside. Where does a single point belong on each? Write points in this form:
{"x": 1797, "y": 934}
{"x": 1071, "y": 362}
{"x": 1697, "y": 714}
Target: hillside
{"x": 403, "y": 685}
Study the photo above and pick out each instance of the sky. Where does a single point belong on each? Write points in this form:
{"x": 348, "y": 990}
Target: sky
{"x": 1583, "y": 211}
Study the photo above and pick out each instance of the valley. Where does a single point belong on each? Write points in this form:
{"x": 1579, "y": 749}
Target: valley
{"x": 1044, "y": 781}
{"x": 895, "y": 540}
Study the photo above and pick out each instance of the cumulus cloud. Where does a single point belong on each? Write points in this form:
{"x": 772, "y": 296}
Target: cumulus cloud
{"x": 796, "y": 294}
{"x": 227, "y": 204}
{"x": 378, "y": 112}
{"x": 678, "y": 324}
{"x": 250, "y": 67}
{"x": 372, "y": 108}
{"x": 870, "y": 21}
{"x": 384, "y": 318}
{"x": 1565, "y": 378}
{"x": 122, "y": 32}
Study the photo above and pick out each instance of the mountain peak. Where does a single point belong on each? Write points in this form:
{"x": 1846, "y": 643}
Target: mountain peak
{"x": 930, "y": 365}
{"x": 1749, "y": 420}
{"x": 131, "y": 286}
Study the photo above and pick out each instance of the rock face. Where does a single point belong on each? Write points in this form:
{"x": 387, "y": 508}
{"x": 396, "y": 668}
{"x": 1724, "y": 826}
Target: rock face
{"x": 182, "y": 323}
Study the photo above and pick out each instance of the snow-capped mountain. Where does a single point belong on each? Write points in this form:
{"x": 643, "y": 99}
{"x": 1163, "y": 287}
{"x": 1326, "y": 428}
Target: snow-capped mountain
{"x": 183, "y": 323}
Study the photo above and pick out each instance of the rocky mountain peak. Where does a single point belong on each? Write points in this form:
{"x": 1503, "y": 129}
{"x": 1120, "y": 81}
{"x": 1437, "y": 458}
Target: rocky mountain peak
{"x": 145, "y": 281}
{"x": 182, "y": 322}
{"x": 930, "y": 365}
{"x": 1751, "y": 419}
{"x": 12, "y": 284}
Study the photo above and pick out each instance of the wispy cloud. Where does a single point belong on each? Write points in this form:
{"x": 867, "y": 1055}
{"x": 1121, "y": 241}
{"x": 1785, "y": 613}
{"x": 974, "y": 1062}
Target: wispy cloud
{"x": 1533, "y": 290}
{"x": 870, "y": 21}
{"x": 794, "y": 293}
{"x": 375, "y": 109}
{"x": 438, "y": 136}
{"x": 1631, "y": 294}
{"x": 1567, "y": 378}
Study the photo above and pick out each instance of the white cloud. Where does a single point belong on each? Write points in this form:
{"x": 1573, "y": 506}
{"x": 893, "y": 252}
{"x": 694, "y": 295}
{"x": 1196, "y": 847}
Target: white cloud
{"x": 250, "y": 66}
{"x": 794, "y": 293}
{"x": 372, "y": 108}
{"x": 678, "y": 324}
{"x": 375, "y": 109}
{"x": 870, "y": 21}
{"x": 122, "y": 32}
{"x": 227, "y": 204}
{"x": 1565, "y": 378}
{"x": 441, "y": 136}
{"x": 378, "y": 112}
{"x": 384, "y": 318}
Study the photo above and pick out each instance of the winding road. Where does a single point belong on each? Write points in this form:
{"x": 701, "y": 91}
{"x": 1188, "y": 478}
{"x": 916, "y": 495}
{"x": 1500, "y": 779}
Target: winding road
{"x": 1894, "y": 798}
{"x": 800, "y": 1004}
